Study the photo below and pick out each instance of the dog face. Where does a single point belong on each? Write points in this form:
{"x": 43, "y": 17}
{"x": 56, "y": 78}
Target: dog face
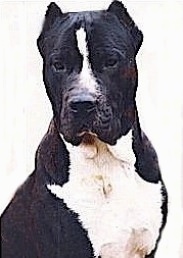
{"x": 90, "y": 71}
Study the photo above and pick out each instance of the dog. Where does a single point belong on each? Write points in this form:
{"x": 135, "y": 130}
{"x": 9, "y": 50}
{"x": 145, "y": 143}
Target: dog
{"x": 96, "y": 190}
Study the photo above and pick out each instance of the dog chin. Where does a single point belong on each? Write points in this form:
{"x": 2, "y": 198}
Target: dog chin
{"x": 88, "y": 138}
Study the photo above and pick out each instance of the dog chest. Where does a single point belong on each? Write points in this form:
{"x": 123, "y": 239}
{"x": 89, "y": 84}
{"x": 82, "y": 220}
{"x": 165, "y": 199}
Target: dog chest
{"x": 120, "y": 211}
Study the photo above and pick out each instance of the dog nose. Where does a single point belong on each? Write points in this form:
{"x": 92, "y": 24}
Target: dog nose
{"x": 82, "y": 104}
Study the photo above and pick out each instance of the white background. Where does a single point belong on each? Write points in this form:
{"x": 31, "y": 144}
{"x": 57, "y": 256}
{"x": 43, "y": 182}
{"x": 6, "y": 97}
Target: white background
{"x": 26, "y": 111}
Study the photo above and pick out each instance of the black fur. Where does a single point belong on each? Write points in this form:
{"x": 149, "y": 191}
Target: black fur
{"x": 110, "y": 39}
{"x": 37, "y": 224}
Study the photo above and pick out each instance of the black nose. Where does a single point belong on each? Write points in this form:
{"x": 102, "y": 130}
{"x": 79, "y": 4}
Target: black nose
{"x": 82, "y": 104}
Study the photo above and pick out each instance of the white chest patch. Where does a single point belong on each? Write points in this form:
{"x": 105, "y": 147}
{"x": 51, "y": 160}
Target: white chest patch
{"x": 120, "y": 211}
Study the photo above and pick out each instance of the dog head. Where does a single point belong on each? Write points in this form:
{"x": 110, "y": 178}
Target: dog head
{"x": 90, "y": 71}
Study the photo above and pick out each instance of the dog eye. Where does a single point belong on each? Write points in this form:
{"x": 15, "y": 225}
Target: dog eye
{"x": 111, "y": 62}
{"x": 59, "y": 66}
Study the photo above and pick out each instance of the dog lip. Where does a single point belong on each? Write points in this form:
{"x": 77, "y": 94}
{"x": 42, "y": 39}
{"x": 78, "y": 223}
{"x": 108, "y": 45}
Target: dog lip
{"x": 83, "y": 133}
{"x": 87, "y": 137}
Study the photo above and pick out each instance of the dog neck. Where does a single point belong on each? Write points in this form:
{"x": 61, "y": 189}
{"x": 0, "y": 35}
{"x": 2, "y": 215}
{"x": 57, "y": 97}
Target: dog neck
{"x": 134, "y": 148}
{"x": 93, "y": 148}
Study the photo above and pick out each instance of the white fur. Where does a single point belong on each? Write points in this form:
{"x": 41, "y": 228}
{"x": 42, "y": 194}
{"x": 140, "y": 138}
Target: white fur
{"x": 120, "y": 211}
{"x": 86, "y": 77}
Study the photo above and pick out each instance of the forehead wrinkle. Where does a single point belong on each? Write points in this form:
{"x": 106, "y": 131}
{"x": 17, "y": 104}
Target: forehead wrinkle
{"x": 64, "y": 30}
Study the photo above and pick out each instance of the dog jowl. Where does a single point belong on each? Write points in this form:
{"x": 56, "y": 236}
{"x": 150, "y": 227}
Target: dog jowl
{"x": 90, "y": 71}
{"x": 96, "y": 190}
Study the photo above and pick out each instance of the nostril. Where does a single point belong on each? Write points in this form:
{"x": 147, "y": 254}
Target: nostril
{"x": 82, "y": 106}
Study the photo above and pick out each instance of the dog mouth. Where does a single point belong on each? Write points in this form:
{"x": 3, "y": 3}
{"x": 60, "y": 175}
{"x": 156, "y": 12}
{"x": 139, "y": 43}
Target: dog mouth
{"x": 89, "y": 137}
{"x": 102, "y": 124}
{"x": 82, "y": 135}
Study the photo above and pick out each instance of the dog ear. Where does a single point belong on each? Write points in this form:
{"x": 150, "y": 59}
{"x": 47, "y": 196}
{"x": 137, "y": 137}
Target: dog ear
{"x": 52, "y": 13}
{"x": 122, "y": 14}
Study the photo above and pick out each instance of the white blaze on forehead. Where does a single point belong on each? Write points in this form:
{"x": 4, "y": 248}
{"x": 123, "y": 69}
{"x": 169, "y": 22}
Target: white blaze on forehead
{"x": 86, "y": 77}
{"x": 82, "y": 44}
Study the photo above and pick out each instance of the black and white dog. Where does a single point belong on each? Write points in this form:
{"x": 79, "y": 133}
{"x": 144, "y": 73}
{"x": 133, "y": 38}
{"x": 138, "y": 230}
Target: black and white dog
{"x": 96, "y": 190}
